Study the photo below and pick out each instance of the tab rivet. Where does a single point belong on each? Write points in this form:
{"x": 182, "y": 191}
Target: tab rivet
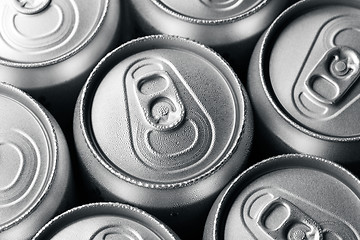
{"x": 340, "y": 67}
{"x": 298, "y": 235}
{"x": 163, "y": 111}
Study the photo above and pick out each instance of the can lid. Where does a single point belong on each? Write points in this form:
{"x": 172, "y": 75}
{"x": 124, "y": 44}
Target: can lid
{"x": 210, "y": 11}
{"x": 164, "y": 112}
{"x": 43, "y": 32}
{"x": 98, "y": 221}
{"x": 293, "y": 197}
{"x": 28, "y": 153}
{"x": 314, "y": 71}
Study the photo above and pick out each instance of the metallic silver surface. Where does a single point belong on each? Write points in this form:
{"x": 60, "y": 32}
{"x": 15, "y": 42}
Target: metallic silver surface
{"x": 231, "y": 27}
{"x": 105, "y": 221}
{"x": 213, "y": 23}
{"x": 50, "y": 52}
{"x": 35, "y": 166}
{"x": 50, "y": 36}
{"x": 303, "y": 82}
{"x": 151, "y": 129}
{"x": 288, "y": 197}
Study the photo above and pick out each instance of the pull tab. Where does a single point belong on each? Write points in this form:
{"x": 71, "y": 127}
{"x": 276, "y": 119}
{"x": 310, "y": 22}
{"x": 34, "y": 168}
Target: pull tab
{"x": 157, "y": 94}
{"x": 326, "y": 84}
{"x": 30, "y": 6}
{"x": 280, "y": 219}
{"x": 334, "y": 75}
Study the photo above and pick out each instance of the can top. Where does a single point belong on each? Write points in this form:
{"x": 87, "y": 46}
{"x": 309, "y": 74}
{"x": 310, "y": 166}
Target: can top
{"x": 164, "y": 112}
{"x": 320, "y": 88}
{"x": 28, "y": 155}
{"x": 210, "y": 11}
{"x": 105, "y": 221}
{"x": 44, "y": 32}
{"x": 292, "y": 197}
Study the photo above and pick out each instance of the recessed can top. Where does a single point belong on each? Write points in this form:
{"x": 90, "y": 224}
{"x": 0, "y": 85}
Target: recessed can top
{"x": 47, "y": 31}
{"x": 100, "y": 221}
{"x": 163, "y": 111}
{"x": 28, "y": 152}
{"x": 291, "y": 197}
{"x": 212, "y": 10}
{"x": 314, "y": 71}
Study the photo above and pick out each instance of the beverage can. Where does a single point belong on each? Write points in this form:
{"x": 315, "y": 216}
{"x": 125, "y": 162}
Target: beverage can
{"x": 49, "y": 47}
{"x": 292, "y": 197}
{"x": 163, "y": 123}
{"x": 230, "y": 27}
{"x": 303, "y": 82}
{"x": 35, "y": 173}
{"x": 105, "y": 220}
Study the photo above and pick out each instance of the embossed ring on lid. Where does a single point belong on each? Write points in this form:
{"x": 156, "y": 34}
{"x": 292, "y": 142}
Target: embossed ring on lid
{"x": 28, "y": 156}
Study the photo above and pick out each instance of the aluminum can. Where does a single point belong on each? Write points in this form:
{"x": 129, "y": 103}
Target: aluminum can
{"x": 291, "y": 197}
{"x": 163, "y": 123}
{"x": 49, "y": 47}
{"x": 35, "y": 166}
{"x": 105, "y": 220}
{"x": 231, "y": 27}
{"x": 303, "y": 82}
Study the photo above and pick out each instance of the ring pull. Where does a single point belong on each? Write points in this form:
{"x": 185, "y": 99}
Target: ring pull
{"x": 157, "y": 94}
{"x": 280, "y": 219}
{"x": 333, "y": 75}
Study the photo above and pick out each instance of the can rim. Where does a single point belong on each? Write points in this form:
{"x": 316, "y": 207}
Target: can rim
{"x": 53, "y": 139}
{"x": 68, "y": 216}
{"x": 265, "y": 48}
{"x": 227, "y": 20}
{"x": 85, "y": 101}
{"x": 227, "y": 195}
{"x": 77, "y": 49}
